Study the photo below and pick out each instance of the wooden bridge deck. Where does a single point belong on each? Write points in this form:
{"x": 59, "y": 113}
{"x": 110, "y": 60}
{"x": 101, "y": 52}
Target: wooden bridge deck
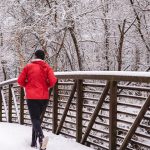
{"x": 20, "y": 139}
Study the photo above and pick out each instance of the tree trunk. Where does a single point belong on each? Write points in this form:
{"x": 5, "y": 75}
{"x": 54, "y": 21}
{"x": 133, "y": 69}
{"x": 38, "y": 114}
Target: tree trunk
{"x": 105, "y": 7}
{"x": 107, "y": 45}
{"x": 120, "y": 48}
{"x": 71, "y": 28}
{"x": 1, "y": 38}
{"x": 76, "y": 47}
{"x": 137, "y": 59}
{"x": 19, "y": 52}
{"x": 141, "y": 33}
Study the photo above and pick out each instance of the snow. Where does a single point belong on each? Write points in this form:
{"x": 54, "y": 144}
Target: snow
{"x": 97, "y": 73}
{"x": 18, "y": 137}
{"x": 108, "y": 73}
{"x": 8, "y": 81}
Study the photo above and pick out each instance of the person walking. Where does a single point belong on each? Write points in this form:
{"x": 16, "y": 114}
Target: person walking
{"x": 37, "y": 77}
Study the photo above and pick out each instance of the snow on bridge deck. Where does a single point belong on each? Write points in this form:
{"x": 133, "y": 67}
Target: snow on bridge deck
{"x": 18, "y": 137}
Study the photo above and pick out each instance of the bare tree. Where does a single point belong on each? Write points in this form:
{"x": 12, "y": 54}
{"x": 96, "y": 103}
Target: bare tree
{"x": 140, "y": 31}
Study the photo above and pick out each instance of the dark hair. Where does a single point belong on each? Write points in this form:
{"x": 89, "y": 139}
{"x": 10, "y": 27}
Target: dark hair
{"x": 40, "y": 54}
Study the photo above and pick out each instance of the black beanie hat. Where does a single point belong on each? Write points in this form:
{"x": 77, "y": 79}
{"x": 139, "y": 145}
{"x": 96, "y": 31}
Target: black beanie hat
{"x": 40, "y": 54}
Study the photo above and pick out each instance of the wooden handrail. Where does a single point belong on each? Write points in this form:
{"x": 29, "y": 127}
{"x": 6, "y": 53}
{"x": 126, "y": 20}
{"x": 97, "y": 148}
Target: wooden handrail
{"x": 98, "y": 75}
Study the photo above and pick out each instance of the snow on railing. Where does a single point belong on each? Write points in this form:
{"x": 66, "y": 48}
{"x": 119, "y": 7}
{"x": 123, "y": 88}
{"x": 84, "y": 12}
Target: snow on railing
{"x": 108, "y": 75}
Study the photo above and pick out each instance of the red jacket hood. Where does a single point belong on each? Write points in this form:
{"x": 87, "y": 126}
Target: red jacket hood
{"x": 42, "y": 63}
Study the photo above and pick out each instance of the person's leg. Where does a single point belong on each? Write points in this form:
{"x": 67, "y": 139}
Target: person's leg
{"x": 43, "y": 106}
{"x": 34, "y": 138}
{"x": 35, "y": 112}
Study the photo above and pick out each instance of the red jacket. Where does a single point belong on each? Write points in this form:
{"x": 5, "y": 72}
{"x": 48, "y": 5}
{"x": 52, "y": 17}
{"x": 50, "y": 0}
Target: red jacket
{"x": 37, "y": 77}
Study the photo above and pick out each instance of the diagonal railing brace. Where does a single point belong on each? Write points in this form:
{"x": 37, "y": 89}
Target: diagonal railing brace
{"x": 66, "y": 108}
{"x": 95, "y": 113}
{"x": 136, "y": 124}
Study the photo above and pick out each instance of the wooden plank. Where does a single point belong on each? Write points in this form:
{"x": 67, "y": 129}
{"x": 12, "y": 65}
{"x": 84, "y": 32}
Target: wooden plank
{"x": 95, "y": 113}
{"x": 55, "y": 108}
{"x": 4, "y": 104}
{"x": 66, "y": 108}
{"x": 135, "y": 124}
{"x": 113, "y": 116}
{"x": 98, "y": 75}
{"x": 15, "y": 104}
{"x": 79, "y": 106}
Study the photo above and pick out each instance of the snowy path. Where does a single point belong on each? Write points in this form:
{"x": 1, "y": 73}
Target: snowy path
{"x": 17, "y": 137}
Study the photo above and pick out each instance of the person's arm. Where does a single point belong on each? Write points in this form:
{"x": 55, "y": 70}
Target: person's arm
{"x": 51, "y": 78}
{"x": 22, "y": 79}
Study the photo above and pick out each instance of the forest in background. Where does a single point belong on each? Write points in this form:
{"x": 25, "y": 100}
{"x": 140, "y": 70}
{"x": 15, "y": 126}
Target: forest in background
{"x": 96, "y": 35}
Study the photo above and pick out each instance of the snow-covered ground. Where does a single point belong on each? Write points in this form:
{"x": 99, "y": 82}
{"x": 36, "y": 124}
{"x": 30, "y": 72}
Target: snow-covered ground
{"x": 18, "y": 137}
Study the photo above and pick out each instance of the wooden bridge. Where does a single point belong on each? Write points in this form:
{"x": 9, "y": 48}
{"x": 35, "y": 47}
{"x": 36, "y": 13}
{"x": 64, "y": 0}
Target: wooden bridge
{"x": 103, "y": 110}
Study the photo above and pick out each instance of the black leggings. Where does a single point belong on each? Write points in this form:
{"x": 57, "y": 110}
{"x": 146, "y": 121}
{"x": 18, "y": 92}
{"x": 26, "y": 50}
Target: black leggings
{"x": 36, "y": 111}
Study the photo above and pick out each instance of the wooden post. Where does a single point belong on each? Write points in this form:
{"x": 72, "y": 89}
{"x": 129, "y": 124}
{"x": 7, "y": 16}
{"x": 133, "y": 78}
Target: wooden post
{"x": 10, "y": 105}
{"x": 55, "y": 108}
{"x": 79, "y": 106}
{"x": 21, "y": 106}
{"x": 0, "y": 106}
{"x": 113, "y": 116}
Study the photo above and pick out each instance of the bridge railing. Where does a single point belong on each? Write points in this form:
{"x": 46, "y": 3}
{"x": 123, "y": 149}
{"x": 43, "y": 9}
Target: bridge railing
{"x": 103, "y": 110}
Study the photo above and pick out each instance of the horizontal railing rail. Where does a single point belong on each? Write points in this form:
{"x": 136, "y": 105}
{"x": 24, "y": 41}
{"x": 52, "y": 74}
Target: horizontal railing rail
{"x": 101, "y": 109}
